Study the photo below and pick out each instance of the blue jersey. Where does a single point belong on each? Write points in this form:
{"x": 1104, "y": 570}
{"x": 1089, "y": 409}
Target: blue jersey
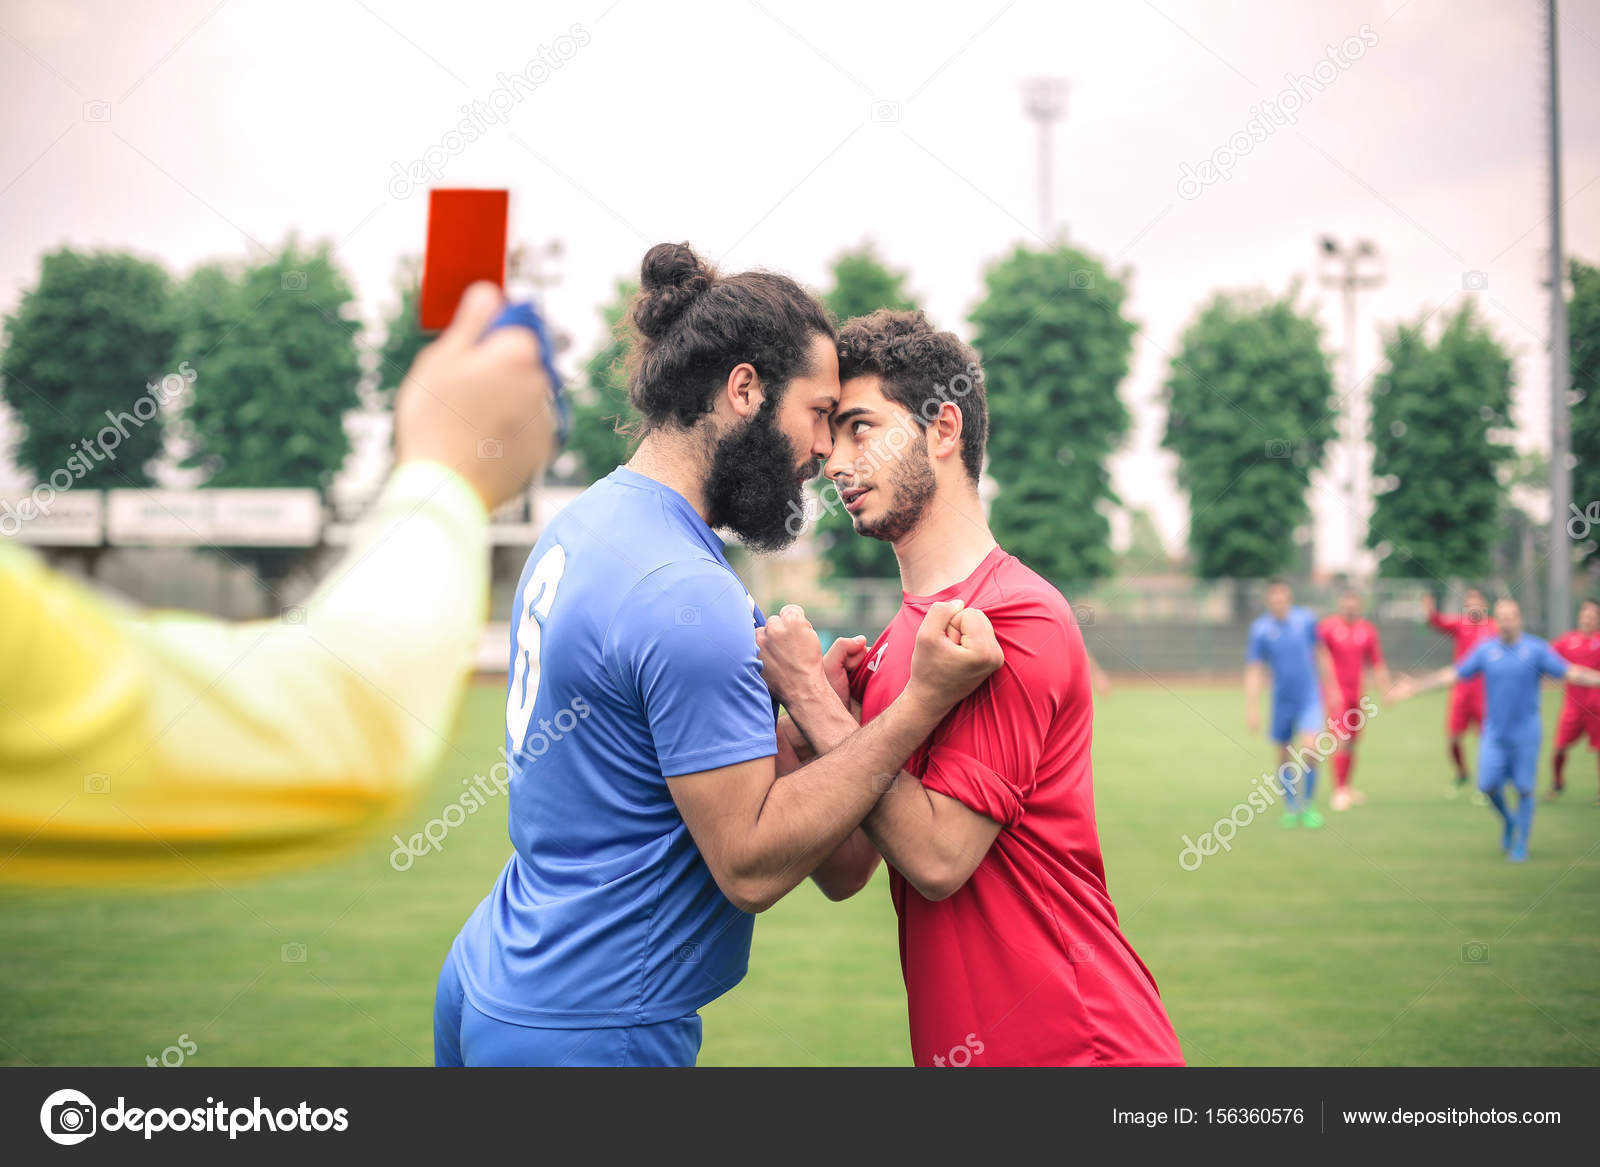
{"x": 633, "y": 659}
{"x": 1511, "y": 674}
{"x": 1289, "y": 648}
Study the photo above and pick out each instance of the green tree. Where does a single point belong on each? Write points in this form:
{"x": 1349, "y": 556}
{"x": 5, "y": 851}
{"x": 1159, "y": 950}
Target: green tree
{"x": 277, "y": 369}
{"x": 1055, "y": 347}
{"x": 403, "y": 336}
{"x": 1436, "y": 462}
{"x": 1583, "y": 331}
{"x": 90, "y": 339}
{"x": 861, "y": 284}
{"x": 601, "y": 406}
{"x": 1249, "y": 413}
{"x": 1147, "y": 552}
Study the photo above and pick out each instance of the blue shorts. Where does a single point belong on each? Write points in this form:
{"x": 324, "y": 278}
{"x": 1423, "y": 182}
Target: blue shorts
{"x": 1294, "y": 715}
{"x": 464, "y": 1036}
{"x": 1508, "y": 759}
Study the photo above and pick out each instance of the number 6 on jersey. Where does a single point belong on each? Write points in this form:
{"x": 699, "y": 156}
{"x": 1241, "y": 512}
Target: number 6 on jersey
{"x": 537, "y": 596}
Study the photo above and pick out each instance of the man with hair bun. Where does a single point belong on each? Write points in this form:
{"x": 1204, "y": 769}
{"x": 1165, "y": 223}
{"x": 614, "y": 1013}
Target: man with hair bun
{"x": 646, "y": 837}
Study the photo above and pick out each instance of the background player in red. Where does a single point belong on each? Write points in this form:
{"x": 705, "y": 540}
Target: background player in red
{"x": 1580, "y": 712}
{"x": 1009, "y": 942}
{"x": 1352, "y": 645}
{"x": 1466, "y": 698}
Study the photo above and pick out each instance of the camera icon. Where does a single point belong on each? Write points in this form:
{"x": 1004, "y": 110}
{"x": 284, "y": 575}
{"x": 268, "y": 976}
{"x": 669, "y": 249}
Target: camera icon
{"x": 294, "y": 281}
{"x": 292, "y": 953}
{"x": 686, "y": 614}
{"x": 97, "y": 783}
{"x": 1079, "y": 280}
{"x": 886, "y": 111}
{"x": 1085, "y": 615}
{"x": 882, "y": 782}
{"x": 1475, "y": 952}
{"x": 490, "y": 449}
{"x": 1279, "y": 448}
{"x": 688, "y": 953}
{"x": 293, "y": 614}
{"x": 68, "y": 1117}
{"x": 1475, "y": 281}
{"x": 97, "y": 111}
{"x": 1080, "y": 953}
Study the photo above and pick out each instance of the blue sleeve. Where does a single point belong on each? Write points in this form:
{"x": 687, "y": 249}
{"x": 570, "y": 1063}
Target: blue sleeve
{"x": 1551, "y": 662}
{"x": 684, "y": 644}
{"x": 1472, "y": 664}
{"x": 1257, "y": 649}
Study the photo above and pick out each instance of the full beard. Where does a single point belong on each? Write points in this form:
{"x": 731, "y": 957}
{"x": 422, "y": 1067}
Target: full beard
{"x": 914, "y": 486}
{"x": 753, "y": 487}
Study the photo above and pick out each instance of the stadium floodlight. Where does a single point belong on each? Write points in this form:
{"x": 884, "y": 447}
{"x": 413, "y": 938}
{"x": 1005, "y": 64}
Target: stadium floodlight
{"x": 1044, "y": 99}
{"x": 1351, "y": 269}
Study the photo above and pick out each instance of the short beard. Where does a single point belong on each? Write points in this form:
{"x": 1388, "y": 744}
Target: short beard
{"x": 914, "y": 488}
{"x": 752, "y": 487}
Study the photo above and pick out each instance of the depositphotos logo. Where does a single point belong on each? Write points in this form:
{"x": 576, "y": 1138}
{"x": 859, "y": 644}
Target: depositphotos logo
{"x": 69, "y": 1117}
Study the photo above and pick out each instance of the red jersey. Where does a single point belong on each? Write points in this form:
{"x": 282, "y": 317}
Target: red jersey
{"x": 1351, "y": 644}
{"x": 1025, "y": 964}
{"x": 1581, "y": 649}
{"x": 1467, "y": 634}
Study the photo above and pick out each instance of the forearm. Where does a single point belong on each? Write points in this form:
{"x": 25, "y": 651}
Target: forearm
{"x": 1252, "y": 687}
{"x": 905, "y": 828}
{"x": 849, "y": 868}
{"x": 1582, "y": 675}
{"x": 789, "y": 734}
{"x": 1435, "y": 680}
{"x": 809, "y": 813}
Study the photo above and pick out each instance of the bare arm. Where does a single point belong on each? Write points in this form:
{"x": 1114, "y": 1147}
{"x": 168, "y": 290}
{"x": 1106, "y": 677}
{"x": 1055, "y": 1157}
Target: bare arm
{"x": 1583, "y": 675}
{"x": 761, "y": 836}
{"x": 849, "y": 869}
{"x": 933, "y": 840}
{"x": 1330, "y": 683}
{"x": 1408, "y": 687}
{"x": 1254, "y": 680}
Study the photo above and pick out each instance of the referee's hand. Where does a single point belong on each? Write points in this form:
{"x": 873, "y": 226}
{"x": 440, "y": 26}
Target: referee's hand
{"x": 480, "y": 405}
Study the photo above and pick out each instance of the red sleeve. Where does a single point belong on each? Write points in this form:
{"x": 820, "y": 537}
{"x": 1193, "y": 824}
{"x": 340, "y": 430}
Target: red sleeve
{"x": 1375, "y": 651}
{"x": 985, "y": 755}
{"x": 1444, "y": 623}
{"x": 1322, "y": 634}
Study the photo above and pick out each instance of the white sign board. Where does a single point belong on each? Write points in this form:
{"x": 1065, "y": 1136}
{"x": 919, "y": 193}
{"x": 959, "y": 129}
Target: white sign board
{"x": 71, "y": 518}
{"x": 218, "y": 518}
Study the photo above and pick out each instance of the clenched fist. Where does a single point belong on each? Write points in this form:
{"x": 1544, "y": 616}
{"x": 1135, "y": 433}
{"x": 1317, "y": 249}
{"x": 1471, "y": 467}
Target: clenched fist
{"x": 956, "y": 650}
{"x": 791, "y": 657}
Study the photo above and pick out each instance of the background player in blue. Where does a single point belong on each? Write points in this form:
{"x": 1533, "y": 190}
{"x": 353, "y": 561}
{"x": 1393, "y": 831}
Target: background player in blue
{"x": 646, "y": 813}
{"x": 1284, "y": 639}
{"x": 1511, "y": 664}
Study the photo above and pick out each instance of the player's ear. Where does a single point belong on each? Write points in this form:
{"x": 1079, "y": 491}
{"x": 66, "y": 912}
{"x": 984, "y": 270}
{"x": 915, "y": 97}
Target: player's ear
{"x": 944, "y": 432}
{"x": 743, "y": 390}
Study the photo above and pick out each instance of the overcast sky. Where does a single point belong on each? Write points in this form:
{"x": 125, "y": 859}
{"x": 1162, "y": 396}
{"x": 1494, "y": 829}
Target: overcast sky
{"x": 774, "y": 135}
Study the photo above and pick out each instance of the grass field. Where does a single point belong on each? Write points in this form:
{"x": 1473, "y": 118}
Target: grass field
{"x": 1345, "y": 946}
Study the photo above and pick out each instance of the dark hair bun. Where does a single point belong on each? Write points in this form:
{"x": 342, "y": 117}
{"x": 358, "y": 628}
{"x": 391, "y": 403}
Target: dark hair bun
{"x": 670, "y": 278}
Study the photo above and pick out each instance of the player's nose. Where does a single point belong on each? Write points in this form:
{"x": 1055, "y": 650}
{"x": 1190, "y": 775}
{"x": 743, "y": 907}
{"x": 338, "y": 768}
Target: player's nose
{"x": 821, "y": 440}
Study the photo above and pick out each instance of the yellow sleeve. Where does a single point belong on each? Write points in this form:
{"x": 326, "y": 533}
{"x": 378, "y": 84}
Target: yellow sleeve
{"x": 180, "y": 749}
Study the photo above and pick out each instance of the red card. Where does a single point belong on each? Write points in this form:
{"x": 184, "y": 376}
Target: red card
{"x": 466, "y": 243}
